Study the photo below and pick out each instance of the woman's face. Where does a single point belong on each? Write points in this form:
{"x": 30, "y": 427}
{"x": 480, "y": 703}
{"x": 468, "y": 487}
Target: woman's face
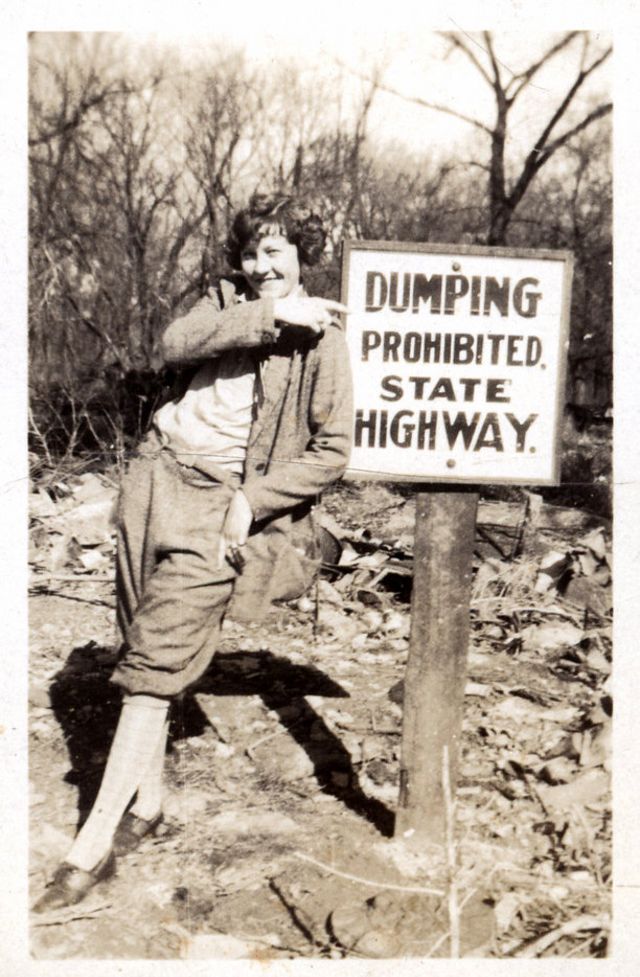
{"x": 271, "y": 267}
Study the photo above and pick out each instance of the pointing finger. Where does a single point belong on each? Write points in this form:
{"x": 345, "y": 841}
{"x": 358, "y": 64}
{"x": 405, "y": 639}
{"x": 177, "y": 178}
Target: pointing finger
{"x": 335, "y": 306}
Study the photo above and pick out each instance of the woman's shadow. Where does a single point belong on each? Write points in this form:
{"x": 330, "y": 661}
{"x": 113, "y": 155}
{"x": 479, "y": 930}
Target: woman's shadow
{"x": 87, "y": 706}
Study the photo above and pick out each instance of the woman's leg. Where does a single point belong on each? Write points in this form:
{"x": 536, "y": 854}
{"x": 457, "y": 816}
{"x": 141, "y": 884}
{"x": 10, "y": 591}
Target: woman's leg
{"x": 141, "y": 727}
{"x": 148, "y": 802}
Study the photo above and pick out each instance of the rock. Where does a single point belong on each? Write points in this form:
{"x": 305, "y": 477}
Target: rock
{"x": 586, "y": 788}
{"x": 371, "y": 621}
{"x": 477, "y": 689}
{"x": 394, "y": 622}
{"x": 552, "y": 635}
{"x": 517, "y": 710}
{"x": 398, "y": 925}
{"x": 505, "y": 910}
{"x": 336, "y": 622}
{"x": 588, "y": 592}
{"x": 94, "y": 559}
{"x": 41, "y": 505}
{"x": 560, "y": 770}
{"x": 91, "y": 523}
{"x": 555, "y": 563}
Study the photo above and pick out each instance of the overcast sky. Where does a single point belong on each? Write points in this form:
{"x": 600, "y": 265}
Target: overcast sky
{"x": 413, "y": 62}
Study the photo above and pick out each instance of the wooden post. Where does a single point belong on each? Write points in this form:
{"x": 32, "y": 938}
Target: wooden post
{"x": 436, "y": 669}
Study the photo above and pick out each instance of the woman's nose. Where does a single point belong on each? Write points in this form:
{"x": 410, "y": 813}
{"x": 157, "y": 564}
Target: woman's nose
{"x": 263, "y": 265}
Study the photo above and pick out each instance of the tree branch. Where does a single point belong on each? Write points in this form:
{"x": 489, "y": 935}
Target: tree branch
{"x": 522, "y": 80}
{"x": 602, "y": 110}
{"x": 539, "y": 154}
{"x": 416, "y": 100}
{"x": 455, "y": 40}
{"x": 562, "y": 108}
{"x": 497, "y": 81}
{"x": 436, "y": 107}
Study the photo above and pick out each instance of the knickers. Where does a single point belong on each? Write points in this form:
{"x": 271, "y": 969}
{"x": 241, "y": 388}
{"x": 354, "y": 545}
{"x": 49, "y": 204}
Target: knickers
{"x": 171, "y": 597}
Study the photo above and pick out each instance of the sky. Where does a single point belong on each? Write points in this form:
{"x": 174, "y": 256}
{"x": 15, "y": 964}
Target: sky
{"x": 412, "y": 62}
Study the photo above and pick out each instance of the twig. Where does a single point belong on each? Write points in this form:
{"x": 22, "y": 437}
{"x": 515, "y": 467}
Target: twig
{"x": 454, "y": 912}
{"x": 438, "y": 943}
{"x": 486, "y": 536}
{"x": 447, "y": 934}
{"x": 534, "y": 792}
{"x": 74, "y": 578}
{"x": 545, "y": 610}
{"x": 41, "y": 438}
{"x": 423, "y": 890}
{"x": 264, "y": 739}
{"x": 567, "y": 929}
{"x": 70, "y": 915}
{"x": 299, "y": 916}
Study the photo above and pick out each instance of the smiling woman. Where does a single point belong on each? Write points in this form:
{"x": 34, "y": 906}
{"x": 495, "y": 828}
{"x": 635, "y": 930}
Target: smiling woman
{"x": 214, "y": 513}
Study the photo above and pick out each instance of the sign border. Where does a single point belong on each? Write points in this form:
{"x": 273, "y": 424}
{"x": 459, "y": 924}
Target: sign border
{"x": 566, "y": 257}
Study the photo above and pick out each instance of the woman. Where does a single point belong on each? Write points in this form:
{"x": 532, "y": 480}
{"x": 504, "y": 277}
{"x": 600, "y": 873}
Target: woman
{"x": 214, "y": 513}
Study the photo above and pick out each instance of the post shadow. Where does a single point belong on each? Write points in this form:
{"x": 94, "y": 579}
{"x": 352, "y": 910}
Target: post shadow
{"x": 87, "y": 705}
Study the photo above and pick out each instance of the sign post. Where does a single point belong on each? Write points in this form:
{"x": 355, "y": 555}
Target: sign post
{"x": 458, "y": 356}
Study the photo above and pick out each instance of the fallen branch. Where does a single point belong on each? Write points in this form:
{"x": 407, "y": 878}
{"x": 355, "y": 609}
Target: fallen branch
{"x": 422, "y": 890}
{"x": 570, "y": 928}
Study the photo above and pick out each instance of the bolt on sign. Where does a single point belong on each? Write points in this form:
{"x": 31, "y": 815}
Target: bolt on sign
{"x": 458, "y": 356}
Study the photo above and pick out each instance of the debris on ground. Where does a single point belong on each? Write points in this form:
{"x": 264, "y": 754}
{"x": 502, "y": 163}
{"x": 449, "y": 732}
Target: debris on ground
{"x": 283, "y": 765}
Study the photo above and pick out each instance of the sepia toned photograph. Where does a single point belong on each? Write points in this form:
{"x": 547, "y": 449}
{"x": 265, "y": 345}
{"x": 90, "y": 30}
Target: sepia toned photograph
{"x": 360, "y": 296}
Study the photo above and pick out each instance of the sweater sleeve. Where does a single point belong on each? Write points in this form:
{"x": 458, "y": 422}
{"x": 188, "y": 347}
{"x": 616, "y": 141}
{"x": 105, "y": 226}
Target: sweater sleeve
{"x": 208, "y": 330}
{"x": 293, "y": 480}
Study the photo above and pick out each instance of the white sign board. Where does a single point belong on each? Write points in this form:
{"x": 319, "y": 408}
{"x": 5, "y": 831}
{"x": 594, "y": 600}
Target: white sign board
{"x": 458, "y": 357}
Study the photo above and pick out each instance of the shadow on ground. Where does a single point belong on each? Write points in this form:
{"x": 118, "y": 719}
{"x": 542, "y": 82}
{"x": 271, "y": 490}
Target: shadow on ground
{"x": 87, "y": 706}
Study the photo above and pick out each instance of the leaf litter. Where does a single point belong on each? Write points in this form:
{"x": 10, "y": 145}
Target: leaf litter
{"x": 282, "y": 776}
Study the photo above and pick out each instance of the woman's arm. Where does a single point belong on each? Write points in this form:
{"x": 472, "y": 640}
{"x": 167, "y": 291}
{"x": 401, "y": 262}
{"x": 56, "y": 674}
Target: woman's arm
{"x": 291, "y": 481}
{"x": 208, "y": 330}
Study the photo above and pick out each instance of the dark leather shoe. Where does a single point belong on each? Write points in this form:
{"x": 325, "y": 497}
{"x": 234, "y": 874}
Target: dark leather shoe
{"x": 132, "y": 830}
{"x": 70, "y": 884}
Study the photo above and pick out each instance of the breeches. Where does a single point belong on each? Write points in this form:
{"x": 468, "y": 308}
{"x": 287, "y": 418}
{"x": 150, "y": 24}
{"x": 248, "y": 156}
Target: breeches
{"x": 171, "y": 597}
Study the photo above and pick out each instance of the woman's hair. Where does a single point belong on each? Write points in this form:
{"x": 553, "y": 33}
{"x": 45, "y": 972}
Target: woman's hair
{"x": 277, "y": 214}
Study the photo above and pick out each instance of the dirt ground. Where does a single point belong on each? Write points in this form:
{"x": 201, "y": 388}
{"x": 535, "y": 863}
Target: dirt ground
{"x": 282, "y": 770}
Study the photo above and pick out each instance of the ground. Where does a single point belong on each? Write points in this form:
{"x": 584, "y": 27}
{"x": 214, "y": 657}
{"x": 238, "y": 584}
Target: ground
{"x": 282, "y": 771}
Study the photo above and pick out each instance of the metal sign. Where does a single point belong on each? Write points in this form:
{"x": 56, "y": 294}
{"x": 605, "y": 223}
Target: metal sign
{"x": 458, "y": 356}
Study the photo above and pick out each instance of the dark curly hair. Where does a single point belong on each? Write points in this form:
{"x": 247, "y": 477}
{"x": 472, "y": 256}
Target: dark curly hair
{"x": 277, "y": 214}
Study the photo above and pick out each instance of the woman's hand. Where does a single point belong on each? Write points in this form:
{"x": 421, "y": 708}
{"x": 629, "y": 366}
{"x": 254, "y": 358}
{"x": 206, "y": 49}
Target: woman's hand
{"x": 235, "y": 530}
{"x": 311, "y": 312}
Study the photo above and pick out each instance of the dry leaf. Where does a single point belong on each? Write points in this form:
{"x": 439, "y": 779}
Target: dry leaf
{"x": 595, "y": 542}
{"x": 552, "y": 635}
{"x": 585, "y": 789}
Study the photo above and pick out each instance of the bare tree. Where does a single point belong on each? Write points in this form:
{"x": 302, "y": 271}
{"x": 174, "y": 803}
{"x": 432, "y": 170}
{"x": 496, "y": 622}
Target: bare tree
{"x": 507, "y": 86}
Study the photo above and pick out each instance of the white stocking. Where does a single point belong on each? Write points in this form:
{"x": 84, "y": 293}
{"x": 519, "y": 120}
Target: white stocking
{"x": 140, "y": 728}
